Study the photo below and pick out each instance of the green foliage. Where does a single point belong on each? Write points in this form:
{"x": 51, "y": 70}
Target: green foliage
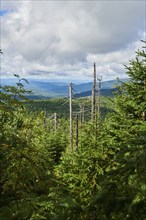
{"x": 29, "y": 152}
{"x": 61, "y": 106}
{"x": 104, "y": 178}
{"x": 132, "y": 102}
{"x": 10, "y": 96}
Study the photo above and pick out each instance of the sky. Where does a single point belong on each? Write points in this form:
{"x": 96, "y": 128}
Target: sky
{"x": 61, "y": 40}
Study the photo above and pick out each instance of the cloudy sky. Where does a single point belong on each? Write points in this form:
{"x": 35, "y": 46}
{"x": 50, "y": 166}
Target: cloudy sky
{"x": 62, "y": 39}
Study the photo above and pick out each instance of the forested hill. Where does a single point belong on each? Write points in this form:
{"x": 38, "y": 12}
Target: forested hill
{"x": 61, "y": 106}
{"x": 56, "y": 167}
{"x": 103, "y": 92}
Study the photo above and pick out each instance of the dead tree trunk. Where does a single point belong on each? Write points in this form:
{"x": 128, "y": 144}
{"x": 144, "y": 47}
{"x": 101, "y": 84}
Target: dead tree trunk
{"x": 99, "y": 87}
{"x": 144, "y": 113}
{"x": 55, "y": 121}
{"x": 77, "y": 131}
{"x": 70, "y": 108}
{"x": 93, "y": 94}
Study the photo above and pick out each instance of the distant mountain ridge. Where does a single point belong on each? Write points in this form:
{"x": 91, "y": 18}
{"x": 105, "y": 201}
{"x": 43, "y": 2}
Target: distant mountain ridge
{"x": 103, "y": 92}
{"x": 61, "y": 89}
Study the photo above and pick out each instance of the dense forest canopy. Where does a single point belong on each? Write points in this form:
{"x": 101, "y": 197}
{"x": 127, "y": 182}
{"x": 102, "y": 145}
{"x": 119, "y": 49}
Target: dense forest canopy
{"x": 104, "y": 178}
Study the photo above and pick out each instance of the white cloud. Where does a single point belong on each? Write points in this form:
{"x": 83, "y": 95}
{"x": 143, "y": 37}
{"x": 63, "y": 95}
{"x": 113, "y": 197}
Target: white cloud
{"x": 66, "y": 37}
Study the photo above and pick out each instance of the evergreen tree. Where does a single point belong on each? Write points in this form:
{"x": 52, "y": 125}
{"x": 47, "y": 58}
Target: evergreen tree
{"x": 106, "y": 178}
{"x": 124, "y": 189}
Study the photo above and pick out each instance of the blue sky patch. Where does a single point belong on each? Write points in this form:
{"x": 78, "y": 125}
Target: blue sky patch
{"x": 4, "y": 12}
